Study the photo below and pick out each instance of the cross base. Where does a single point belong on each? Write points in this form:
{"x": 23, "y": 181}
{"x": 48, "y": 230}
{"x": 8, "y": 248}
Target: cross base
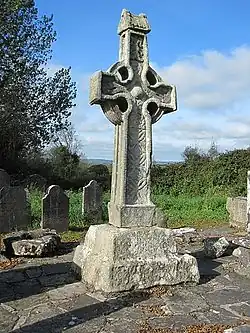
{"x": 119, "y": 259}
{"x": 132, "y": 215}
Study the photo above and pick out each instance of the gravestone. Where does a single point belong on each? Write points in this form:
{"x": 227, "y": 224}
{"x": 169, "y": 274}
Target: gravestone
{"x": 92, "y": 202}
{"x": 237, "y": 209}
{"x": 132, "y": 251}
{"x": 4, "y": 178}
{"x": 55, "y": 209}
{"x": 248, "y": 201}
{"x": 14, "y": 209}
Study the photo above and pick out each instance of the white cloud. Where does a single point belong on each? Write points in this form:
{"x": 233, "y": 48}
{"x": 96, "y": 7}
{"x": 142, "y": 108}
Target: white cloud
{"x": 211, "y": 80}
{"x": 213, "y": 91}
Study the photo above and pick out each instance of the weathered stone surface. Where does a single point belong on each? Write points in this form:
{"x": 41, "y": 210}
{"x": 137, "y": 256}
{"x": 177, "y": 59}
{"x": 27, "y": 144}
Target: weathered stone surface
{"x": 14, "y": 209}
{"x": 215, "y": 247}
{"x": 45, "y": 245}
{"x": 4, "y": 179}
{"x": 3, "y": 259}
{"x": 12, "y": 237}
{"x": 32, "y": 243}
{"x": 239, "y": 329}
{"x": 237, "y": 209}
{"x": 183, "y": 231}
{"x": 116, "y": 259}
{"x": 133, "y": 97}
{"x": 243, "y": 254}
{"x": 55, "y": 209}
{"x": 242, "y": 241}
{"x": 92, "y": 202}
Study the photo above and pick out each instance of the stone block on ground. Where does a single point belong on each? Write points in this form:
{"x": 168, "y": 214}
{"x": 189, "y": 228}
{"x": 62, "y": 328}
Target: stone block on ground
{"x": 92, "y": 202}
{"x": 237, "y": 209}
{"x": 55, "y": 209}
{"x": 32, "y": 243}
{"x": 117, "y": 259}
{"x": 215, "y": 247}
{"x": 186, "y": 234}
{"x": 242, "y": 241}
{"x": 243, "y": 254}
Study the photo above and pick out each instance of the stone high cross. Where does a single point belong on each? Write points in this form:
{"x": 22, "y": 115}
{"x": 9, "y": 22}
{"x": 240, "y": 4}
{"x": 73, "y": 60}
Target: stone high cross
{"x": 133, "y": 97}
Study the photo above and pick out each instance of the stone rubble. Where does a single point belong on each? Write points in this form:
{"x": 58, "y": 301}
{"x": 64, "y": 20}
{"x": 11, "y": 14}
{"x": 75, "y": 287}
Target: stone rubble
{"x": 36, "y": 243}
{"x": 215, "y": 247}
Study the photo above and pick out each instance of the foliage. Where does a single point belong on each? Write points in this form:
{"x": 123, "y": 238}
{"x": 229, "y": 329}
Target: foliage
{"x": 64, "y": 163}
{"x": 202, "y": 173}
{"x": 33, "y": 105}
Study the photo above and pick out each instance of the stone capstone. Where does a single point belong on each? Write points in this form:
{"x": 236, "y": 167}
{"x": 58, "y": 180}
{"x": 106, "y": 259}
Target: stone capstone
{"x": 117, "y": 259}
{"x": 32, "y": 243}
{"x": 215, "y": 247}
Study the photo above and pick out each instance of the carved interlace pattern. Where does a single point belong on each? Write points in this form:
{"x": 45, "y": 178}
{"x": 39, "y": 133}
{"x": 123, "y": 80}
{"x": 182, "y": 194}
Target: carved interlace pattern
{"x": 136, "y": 48}
{"x": 137, "y": 166}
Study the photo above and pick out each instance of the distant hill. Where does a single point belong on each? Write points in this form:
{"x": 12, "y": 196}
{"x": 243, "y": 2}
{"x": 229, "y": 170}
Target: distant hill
{"x": 108, "y": 162}
{"x": 99, "y": 161}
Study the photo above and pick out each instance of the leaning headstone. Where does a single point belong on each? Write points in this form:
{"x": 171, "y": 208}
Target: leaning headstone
{"x": 132, "y": 251}
{"x": 4, "y": 178}
{"x": 55, "y": 209}
{"x": 92, "y": 202}
{"x": 14, "y": 209}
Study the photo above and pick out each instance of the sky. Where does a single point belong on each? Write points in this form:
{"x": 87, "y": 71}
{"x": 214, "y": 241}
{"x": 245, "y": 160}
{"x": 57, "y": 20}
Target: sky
{"x": 202, "y": 47}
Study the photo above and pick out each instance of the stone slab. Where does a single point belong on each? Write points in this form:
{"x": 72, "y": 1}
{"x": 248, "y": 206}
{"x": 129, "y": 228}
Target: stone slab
{"x": 242, "y": 241}
{"x": 215, "y": 247}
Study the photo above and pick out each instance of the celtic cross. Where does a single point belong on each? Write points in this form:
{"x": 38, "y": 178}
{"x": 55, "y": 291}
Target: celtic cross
{"x": 133, "y": 97}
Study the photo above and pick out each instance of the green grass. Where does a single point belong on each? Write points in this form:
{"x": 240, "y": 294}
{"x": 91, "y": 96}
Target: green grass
{"x": 197, "y": 211}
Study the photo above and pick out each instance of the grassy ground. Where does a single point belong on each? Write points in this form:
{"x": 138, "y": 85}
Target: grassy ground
{"x": 197, "y": 211}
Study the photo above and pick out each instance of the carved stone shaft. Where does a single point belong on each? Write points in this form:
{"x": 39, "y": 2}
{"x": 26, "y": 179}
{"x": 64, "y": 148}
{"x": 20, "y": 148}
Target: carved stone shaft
{"x": 133, "y": 97}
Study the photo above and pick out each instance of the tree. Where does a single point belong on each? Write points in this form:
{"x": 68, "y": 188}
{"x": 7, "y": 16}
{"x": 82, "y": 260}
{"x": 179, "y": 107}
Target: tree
{"x": 68, "y": 137}
{"x": 192, "y": 154}
{"x": 213, "y": 151}
{"x": 65, "y": 164}
{"x": 33, "y": 105}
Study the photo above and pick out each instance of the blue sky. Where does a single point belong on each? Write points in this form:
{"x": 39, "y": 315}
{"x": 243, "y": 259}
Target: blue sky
{"x": 203, "y": 47}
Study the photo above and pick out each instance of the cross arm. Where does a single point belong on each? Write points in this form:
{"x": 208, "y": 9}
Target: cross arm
{"x": 162, "y": 97}
{"x": 106, "y": 90}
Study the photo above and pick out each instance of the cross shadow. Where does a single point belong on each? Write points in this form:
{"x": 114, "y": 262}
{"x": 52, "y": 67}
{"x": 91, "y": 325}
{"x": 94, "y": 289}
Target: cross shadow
{"x": 85, "y": 313}
{"x": 208, "y": 267}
